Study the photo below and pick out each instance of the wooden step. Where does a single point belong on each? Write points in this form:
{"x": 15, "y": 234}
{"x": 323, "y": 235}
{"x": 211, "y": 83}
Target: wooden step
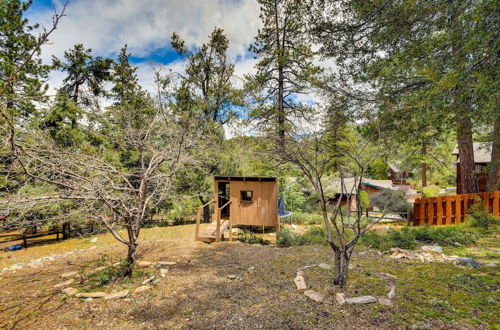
{"x": 210, "y": 232}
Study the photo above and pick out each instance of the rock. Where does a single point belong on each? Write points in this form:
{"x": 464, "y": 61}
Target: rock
{"x": 232, "y": 277}
{"x": 325, "y": 266}
{"x": 142, "y": 263}
{"x": 142, "y": 288}
{"x": 93, "y": 240}
{"x": 69, "y": 291}
{"x": 90, "y": 294}
{"x": 117, "y": 295}
{"x": 316, "y": 296}
{"x": 388, "y": 275}
{"x": 385, "y": 302}
{"x": 469, "y": 262}
{"x": 163, "y": 272}
{"x": 65, "y": 283}
{"x": 148, "y": 280}
{"x": 340, "y": 297}
{"x": 361, "y": 300}
{"x": 491, "y": 265}
{"x": 166, "y": 263}
{"x": 155, "y": 281}
{"x": 392, "y": 290}
{"x": 251, "y": 268}
{"x": 436, "y": 248}
{"x": 300, "y": 282}
{"x": 293, "y": 226}
{"x": 69, "y": 274}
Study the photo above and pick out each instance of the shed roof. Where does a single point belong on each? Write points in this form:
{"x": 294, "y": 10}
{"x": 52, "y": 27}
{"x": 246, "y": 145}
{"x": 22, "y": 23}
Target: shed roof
{"x": 332, "y": 186}
{"x": 245, "y": 178}
{"x": 482, "y": 152}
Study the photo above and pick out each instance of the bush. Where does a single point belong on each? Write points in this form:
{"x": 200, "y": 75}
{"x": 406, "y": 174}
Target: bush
{"x": 404, "y": 238}
{"x": 394, "y": 201}
{"x": 373, "y": 240}
{"x": 286, "y": 238}
{"x": 478, "y": 217}
{"x": 307, "y": 218}
{"x": 431, "y": 191}
{"x": 315, "y": 235}
{"x": 248, "y": 237}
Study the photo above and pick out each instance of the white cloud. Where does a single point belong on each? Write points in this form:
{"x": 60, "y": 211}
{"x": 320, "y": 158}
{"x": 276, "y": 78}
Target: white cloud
{"x": 146, "y": 25}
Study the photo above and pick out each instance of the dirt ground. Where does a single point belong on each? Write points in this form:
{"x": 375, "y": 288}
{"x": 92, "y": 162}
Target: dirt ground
{"x": 197, "y": 293}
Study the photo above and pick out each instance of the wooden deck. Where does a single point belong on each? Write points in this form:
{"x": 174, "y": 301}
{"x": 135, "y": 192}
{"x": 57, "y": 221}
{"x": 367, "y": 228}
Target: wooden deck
{"x": 209, "y": 234}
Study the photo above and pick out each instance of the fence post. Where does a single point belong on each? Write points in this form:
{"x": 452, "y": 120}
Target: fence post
{"x": 25, "y": 242}
{"x": 448, "y": 209}
{"x": 57, "y": 237}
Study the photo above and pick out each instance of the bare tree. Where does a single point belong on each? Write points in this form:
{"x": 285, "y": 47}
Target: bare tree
{"x": 332, "y": 149}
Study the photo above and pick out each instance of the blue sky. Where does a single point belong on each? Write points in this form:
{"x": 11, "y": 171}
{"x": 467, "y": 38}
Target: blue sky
{"x": 146, "y": 26}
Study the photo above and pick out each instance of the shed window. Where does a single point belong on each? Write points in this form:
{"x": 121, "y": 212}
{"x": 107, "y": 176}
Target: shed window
{"x": 246, "y": 196}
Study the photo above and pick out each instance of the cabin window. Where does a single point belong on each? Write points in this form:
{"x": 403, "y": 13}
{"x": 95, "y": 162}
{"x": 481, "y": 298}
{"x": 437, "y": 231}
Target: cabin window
{"x": 246, "y": 196}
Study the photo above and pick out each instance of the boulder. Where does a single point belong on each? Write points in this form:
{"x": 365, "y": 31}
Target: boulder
{"x": 340, "y": 297}
{"x": 361, "y": 300}
{"x": 385, "y": 302}
{"x": 69, "y": 274}
{"x": 300, "y": 282}
{"x": 142, "y": 288}
{"x": 65, "y": 283}
{"x": 69, "y": 291}
{"x": 316, "y": 296}
{"x": 117, "y": 295}
{"x": 90, "y": 294}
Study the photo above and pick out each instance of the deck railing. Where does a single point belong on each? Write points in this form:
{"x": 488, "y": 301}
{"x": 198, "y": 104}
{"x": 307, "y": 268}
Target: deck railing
{"x": 219, "y": 215}
{"x": 449, "y": 210}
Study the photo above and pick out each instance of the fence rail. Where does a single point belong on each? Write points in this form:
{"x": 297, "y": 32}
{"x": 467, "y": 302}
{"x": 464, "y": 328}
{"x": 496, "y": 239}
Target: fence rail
{"x": 449, "y": 210}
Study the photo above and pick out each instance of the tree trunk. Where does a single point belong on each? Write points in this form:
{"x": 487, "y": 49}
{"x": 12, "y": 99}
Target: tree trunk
{"x": 494, "y": 168}
{"x": 466, "y": 156}
{"x": 66, "y": 230}
{"x": 206, "y": 209}
{"x": 131, "y": 258}
{"x": 341, "y": 268}
{"x": 424, "y": 164}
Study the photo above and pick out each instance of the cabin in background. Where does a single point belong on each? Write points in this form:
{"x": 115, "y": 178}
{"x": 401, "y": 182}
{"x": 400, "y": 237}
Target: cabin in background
{"x": 482, "y": 157}
{"x": 240, "y": 200}
{"x": 397, "y": 175}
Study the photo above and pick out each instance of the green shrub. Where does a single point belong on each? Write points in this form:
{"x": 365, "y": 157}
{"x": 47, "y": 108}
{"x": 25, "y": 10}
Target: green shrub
{"x": 286, "y": 238}
{"x": 404, "y": 238}
{"x": 315, "y": 235}
{"x": 431, "y": 191}
{"x": 478, "y": 217}
{"x": 248, "y": 237}
{"x": 373, "y": 240}
{"x": 307, "y": 218}
{"x": 445, "y": 235}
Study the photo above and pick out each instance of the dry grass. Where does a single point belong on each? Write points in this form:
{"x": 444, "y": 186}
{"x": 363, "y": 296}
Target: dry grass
{"x": 196, "y": 292}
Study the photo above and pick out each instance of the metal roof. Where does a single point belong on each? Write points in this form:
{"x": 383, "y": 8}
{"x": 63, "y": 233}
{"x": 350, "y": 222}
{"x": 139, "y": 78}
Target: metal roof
{"x": 482, "y": 152}
{"x": 244, "y": 178}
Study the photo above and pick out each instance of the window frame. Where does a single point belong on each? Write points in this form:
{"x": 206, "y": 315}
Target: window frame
{"x": 244, "y": 200}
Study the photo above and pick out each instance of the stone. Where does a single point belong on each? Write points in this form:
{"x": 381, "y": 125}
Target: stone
{"x": 142, "y": 263}
{"x": 90, "y": 295}
{"x": 491, "y": 265}
{"x": 469, "y": 262}
{"x": 142, "y": 288}
{"x": 232, "y": 277}
{"x": 69, "y": 291}
{"x": 69, "y": 274}
{"x": 436, "y": 248}
{"x": 93, "y": 240}
{"x": 300, "y": 282}
{"x": 65, "y": 283}
{"x": 156, "y": 281}
{"x": 392, "y": 290}
{"x": 251, "y": 268}
{"x": 316, "y": 296}
{"x": 340, "y": 297}
{"x": 117, "y": 295}
{"x": 163, "y": 272}
{"x": 385, "y": 302}
{"x": 389, "y": 275}
{"x": 166, "y": 263}
{"x": 361, "y": 300}
{"x": 325, "y": 266}
{"x": 148, "y": 280}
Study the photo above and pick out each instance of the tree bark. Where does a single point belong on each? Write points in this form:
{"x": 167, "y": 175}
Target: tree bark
{"x": 424, "y": 164}
{"x": 466, "y": 155}
{"x": 131, "y": 258}
{"x": 341, "y": 268}
{"x": 206, "y": 209}
{"x": 494, "y": 168}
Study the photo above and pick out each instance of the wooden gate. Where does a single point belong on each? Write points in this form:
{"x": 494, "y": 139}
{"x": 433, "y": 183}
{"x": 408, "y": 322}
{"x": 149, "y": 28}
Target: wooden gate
{"x": 449, "y": 210}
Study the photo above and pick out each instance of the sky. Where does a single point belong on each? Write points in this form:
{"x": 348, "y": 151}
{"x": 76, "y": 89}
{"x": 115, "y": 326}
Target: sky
{"x": 146, "y": 26}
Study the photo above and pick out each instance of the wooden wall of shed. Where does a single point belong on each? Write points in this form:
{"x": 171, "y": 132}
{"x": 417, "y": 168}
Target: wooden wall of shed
{"x": 262, "y": 211}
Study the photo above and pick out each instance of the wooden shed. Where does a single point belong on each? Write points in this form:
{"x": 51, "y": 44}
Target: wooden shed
{"x": 240, "y": 200}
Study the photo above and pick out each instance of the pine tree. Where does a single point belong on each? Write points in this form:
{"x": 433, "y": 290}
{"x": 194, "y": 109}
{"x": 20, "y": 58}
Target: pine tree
{"x": 285, "y": 68}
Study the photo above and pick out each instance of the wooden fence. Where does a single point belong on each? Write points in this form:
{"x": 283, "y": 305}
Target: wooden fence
{"x": 449, "y": 210}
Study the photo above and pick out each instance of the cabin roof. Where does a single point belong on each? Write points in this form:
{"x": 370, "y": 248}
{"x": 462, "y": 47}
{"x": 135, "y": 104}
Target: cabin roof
{"x": 482, "y": 152}
{"x": 245, "y": 178}
{"x": 333, "y": 186}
